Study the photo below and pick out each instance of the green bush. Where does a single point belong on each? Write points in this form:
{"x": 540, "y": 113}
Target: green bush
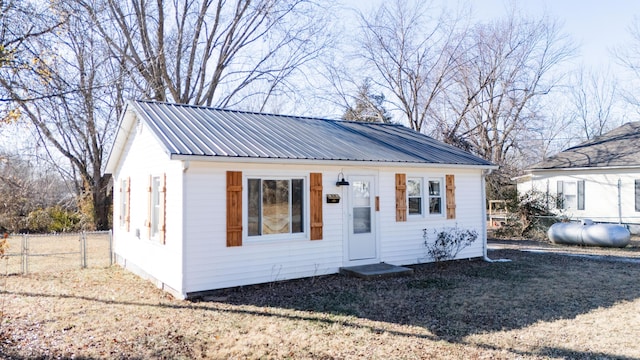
{"x": 53, "y": 219}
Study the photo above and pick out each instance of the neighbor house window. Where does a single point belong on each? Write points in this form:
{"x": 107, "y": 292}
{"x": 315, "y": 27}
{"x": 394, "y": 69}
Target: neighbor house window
{"x": 275, "y": 206}
{"x": 570, "y": 194}
{"x": 414, "y": 196}
{"x": 435, "y": 196}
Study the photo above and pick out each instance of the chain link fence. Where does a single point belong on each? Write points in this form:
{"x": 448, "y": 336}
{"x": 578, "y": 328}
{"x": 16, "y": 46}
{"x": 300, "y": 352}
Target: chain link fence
{"x": 29, "y": 253}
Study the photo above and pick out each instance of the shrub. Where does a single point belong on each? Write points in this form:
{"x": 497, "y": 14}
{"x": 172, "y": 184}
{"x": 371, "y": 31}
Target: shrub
{"x": 53, "y": 219}
{"x": 530, "y": 215}
{"x": 448, "y": 242}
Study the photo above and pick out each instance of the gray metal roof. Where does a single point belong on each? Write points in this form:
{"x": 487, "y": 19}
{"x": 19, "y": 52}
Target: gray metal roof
{"x": 617, "y": 148}
{"x": 203, "y": 131}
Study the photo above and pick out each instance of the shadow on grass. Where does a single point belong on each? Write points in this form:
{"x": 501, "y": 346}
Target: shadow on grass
{"x": 456, "y": 299}
{"x": 451, "y": 300}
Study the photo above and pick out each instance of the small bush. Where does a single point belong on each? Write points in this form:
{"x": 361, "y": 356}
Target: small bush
{"x": 448, "y": 242}
{"x": 53, "y": 219}
{"x": 530, "y": 216}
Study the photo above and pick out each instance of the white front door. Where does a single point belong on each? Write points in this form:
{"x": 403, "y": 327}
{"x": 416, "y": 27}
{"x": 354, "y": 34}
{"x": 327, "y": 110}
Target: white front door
{"x": 362, "y": 237}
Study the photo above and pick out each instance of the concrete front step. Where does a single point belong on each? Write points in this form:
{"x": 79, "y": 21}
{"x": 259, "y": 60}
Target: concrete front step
{"x": 381, "y": 270}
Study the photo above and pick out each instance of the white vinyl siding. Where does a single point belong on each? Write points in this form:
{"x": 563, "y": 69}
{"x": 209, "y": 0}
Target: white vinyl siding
{"x": 211, "y": 264}
{"x": 609, "y": 194}
{"x": 133, "y": 249}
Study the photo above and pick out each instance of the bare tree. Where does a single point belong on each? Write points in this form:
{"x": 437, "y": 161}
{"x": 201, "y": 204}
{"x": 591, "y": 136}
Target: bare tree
{"x": 22, "y": 22}
{"x": 209, "y": 52}
{"x": 72, "y": 101}
{"x": 413, "y": 54}
{"x": 593, "y": 96}
{"x": 628, "y": 55}
{"x": 508, "y": 67}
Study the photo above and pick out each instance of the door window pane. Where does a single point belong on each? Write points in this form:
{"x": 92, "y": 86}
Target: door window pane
{"x": 361, "y": 220}
{"x": 361, "y": 195}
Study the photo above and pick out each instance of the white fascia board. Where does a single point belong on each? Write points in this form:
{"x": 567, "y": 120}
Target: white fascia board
{"x": 598, "y": 168}
{"x": 122, "y": 136}
{"x": 252, "y": 160}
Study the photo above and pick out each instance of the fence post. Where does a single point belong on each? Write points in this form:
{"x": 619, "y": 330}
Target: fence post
{"x": 83, "y": 250}
{"x": 25, "y": 254}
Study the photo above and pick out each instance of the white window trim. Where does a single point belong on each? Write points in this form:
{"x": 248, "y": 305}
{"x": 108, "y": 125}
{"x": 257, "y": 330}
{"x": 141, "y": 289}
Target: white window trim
{"x": 426, "y": 197}
{"x": 262, "y": 239}
{"x": 423, "y": 209}
{"x": 154, "y": 237}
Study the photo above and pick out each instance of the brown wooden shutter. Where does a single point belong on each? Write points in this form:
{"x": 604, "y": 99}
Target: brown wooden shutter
{"x": 127, "y": 214}
{"x": 150, "y": 205}
{"x": 162, "y": 217}
{"x": 315, "y": 205}
{"x": 451, "y": 196}
{"x": 401, "y": 197}
{"x": 234, "y": 208}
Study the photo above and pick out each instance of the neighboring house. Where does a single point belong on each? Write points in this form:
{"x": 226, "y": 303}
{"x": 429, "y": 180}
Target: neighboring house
{"x": 207, "y": 198}
{"x": 598, "y": 180}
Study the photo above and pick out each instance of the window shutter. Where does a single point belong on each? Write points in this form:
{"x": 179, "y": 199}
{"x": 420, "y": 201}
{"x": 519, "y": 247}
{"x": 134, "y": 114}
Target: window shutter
{"x": 234, "y": 208}
{"x": 162, "y": 218}
{"x": 451, "y": 196}
{"x": 150, "y": 206}
{"x": 581, "y": 195}
{"x": 315, "y": 205}
{"x": 127, "y": 214}
{"x": 401, "y": 197}
{"x": 560, "y": 195}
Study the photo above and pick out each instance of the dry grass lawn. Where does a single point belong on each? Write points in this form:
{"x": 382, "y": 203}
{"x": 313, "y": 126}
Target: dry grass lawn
{"x": 538, "y": 306}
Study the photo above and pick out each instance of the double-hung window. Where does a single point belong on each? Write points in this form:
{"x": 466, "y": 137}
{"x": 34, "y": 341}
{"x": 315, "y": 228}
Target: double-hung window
{"x": 155, "y": 206}
{"x": 414, "y": 195}
{"x": 124, "y": 203}
{"x": 570, "y": 194}
{"x": 435, "y": 196}
{"x": 275, "y": 206}
{"x": 417, "y": 198}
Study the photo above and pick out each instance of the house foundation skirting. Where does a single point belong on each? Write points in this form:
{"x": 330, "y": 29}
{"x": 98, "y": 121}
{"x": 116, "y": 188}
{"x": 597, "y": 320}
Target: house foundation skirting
{"x": 130, "y": 266}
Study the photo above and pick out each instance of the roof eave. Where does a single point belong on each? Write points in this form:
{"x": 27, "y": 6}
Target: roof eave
{"x": 336, "y": 162}
{"x": 584, "y": 168}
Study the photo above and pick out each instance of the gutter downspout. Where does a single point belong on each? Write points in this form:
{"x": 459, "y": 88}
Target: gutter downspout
{"x": 619, "y": 201}
{"x": 483, "y": 191}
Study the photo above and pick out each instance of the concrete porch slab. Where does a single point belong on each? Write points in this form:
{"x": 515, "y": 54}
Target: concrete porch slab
{"x": 376, "y": 271}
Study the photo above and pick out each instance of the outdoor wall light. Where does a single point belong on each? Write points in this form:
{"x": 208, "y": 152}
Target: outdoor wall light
{"x": 341, "y": 181}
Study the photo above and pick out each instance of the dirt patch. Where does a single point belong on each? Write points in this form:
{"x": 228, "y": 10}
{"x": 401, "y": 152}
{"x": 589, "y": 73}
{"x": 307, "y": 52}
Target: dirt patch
{"x": 538, "y": 306}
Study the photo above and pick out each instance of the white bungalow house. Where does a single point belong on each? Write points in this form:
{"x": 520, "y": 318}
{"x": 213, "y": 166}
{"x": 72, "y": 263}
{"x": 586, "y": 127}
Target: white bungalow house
{"x": 207, "y": 198}
{"x": 597, "y": 180}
